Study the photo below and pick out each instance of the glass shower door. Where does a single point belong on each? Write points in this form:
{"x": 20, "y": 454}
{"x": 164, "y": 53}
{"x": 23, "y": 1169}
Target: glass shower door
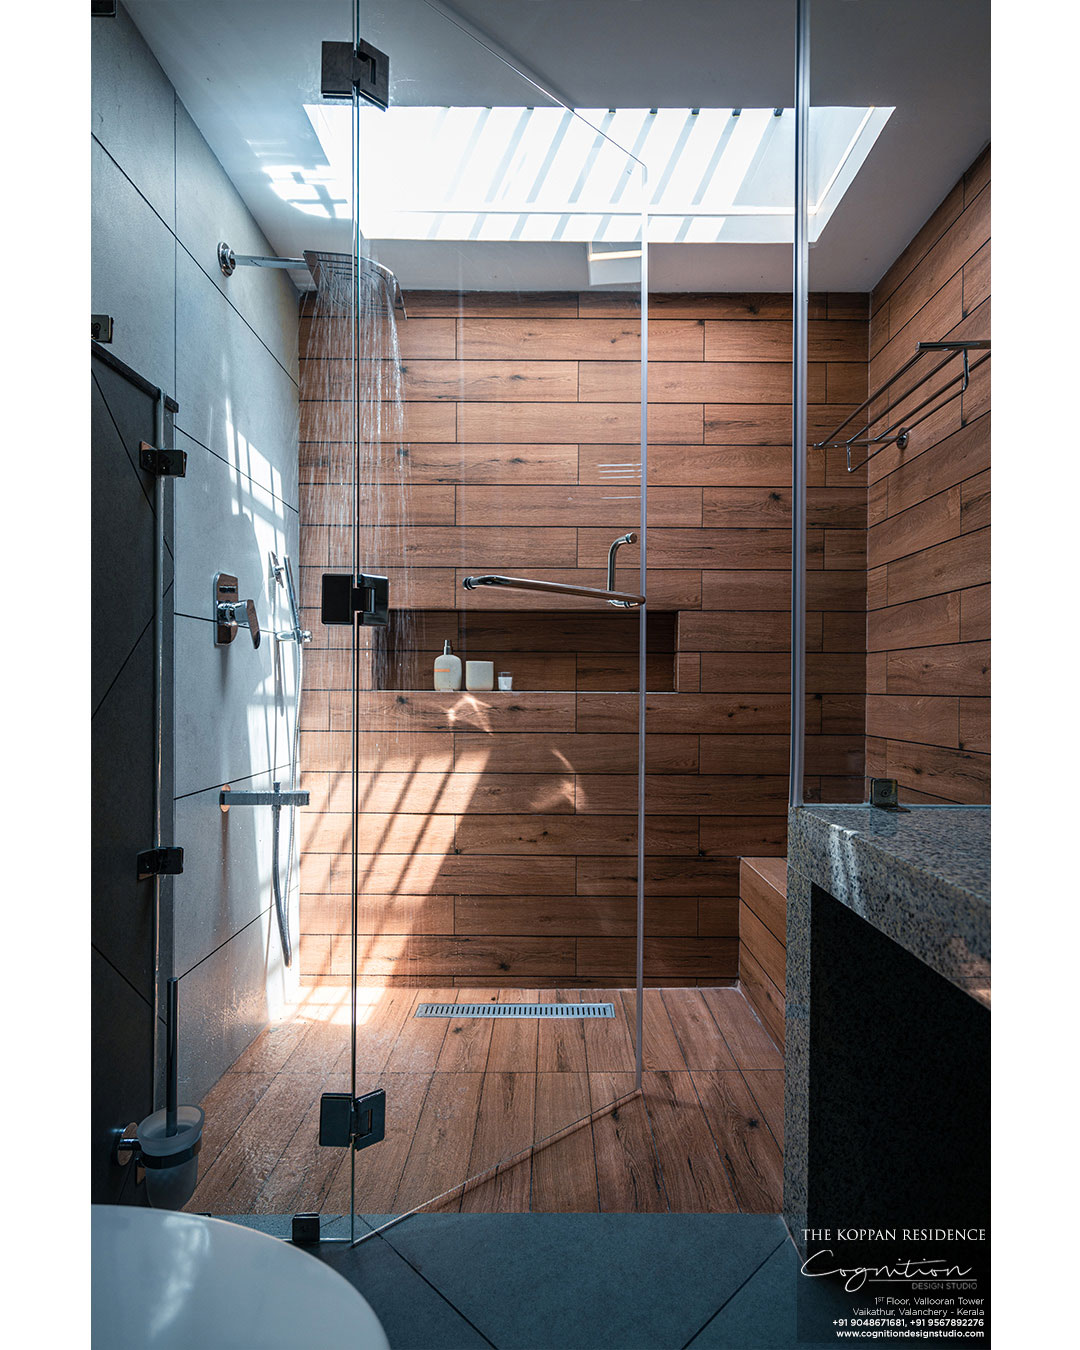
{"x": 492, "y": 861}
{"x": 259, "y": 221}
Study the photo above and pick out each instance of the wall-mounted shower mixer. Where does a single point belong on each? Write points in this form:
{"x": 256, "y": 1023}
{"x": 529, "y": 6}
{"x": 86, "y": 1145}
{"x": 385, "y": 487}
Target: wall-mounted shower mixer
{"x": 231, "y": 613}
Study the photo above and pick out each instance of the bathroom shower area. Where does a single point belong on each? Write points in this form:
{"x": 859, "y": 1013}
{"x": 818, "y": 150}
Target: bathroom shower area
{"x": 469, "y": 503}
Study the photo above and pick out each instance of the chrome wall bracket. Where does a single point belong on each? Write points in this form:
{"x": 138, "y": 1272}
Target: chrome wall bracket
{"x": 101, "y": 327}
{"x": 127, "y": 1143}
{"x": 362, "y": 70}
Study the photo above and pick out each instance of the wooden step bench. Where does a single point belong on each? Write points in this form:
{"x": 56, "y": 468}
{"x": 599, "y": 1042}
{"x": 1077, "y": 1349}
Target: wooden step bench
{"x": 762, "y": 939}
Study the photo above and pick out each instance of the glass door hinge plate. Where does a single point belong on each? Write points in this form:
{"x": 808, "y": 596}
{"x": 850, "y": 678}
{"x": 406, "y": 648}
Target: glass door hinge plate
{"x": 159, "y": 862}
{"x": 345, "y": 1120}
{"x": 363, "y": 70}
{"x": 305, "y": 1230}
{"x": 346, "y": 598}
{"x": 164, "y": 463}
{"x": 885, "y": 794}
{"x": 101, "y": 327}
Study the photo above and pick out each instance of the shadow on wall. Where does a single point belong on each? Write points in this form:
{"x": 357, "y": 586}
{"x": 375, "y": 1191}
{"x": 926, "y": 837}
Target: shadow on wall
{"x": 227, "y": 945}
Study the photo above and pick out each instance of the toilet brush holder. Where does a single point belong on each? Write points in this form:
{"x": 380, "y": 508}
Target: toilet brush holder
{"x": 171, "y": 1160}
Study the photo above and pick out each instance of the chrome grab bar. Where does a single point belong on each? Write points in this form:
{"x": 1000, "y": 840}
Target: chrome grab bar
{"x": 622, "y": 598}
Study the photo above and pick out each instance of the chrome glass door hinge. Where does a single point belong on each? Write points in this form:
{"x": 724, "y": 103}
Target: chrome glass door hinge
{"x": 159, "y": 862}
{"x": 345, "y": 1120}
{"x": 164, "y": 463}
{"x": 346, "y": 598}
{"x": 363, "y": 70}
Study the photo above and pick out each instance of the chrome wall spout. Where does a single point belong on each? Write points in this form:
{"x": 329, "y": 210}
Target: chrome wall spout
{"x": 277, "y": 799}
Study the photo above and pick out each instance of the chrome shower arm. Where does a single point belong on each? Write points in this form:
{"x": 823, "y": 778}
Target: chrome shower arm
{"x": 229, "y": 261}
{"x": 253, "y": 260}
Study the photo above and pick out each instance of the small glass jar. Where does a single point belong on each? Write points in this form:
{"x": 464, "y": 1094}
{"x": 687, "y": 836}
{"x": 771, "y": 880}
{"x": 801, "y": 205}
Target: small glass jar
{"x": 506, "y": 680}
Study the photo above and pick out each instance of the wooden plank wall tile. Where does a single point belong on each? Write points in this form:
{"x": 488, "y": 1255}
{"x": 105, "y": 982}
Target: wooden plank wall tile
{"x": 497, "y": 837}
{"x": 928, "y": 608}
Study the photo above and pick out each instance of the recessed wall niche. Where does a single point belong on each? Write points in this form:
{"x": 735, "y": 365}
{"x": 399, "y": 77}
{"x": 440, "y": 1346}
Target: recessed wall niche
{"x": 542, "y": 649}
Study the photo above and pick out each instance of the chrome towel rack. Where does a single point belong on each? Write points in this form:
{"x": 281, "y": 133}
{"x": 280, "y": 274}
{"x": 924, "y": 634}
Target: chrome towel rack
{"x": 897, "y": 432}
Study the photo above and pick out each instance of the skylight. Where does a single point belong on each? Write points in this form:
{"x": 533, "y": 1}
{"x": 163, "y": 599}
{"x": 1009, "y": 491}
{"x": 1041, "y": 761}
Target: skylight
{"x": 715, "y": 175}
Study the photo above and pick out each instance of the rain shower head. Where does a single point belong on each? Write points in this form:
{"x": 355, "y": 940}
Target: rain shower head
{"x": 335, "y": 269}
{"x": 329, "y": 271}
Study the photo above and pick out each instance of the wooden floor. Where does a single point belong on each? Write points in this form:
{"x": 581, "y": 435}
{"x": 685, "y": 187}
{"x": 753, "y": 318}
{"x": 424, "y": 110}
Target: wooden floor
{"x": 463, "y": 1095}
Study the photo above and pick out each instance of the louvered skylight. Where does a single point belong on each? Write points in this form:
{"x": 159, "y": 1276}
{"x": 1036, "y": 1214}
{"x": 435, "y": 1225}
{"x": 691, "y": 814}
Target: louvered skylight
{"x": 544, "y": 174}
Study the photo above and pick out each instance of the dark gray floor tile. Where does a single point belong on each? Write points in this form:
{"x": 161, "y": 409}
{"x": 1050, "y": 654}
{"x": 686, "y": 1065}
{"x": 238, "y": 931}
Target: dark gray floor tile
{"x": 413, "y": 1315}
{"x": 587, "y": 1281}
{"x": 762, "y": 1314}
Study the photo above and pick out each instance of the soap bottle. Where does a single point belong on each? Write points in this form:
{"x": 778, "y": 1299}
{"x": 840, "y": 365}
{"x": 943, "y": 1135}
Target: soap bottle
{"x": 447, "y": 669}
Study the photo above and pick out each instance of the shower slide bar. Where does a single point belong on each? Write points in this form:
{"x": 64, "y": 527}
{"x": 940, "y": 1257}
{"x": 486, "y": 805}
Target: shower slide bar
{"x": 897, "y": 432}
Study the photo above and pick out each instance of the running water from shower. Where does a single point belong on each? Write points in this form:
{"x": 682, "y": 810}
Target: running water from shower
{"x": 355, "y": 514}
{"x": 361, "y": 465}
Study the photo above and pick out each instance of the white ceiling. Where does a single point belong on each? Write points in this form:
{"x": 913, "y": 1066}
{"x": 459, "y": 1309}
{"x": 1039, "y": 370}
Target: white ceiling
{"x": 245, "y": 68}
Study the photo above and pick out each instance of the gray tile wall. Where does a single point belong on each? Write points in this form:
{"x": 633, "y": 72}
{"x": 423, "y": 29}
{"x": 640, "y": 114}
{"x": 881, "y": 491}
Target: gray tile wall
{"x": 226, "y": 349}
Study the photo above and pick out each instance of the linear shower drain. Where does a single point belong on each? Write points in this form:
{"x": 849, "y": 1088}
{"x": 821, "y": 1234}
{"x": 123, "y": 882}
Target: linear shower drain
{"x": 516, "y": 1010}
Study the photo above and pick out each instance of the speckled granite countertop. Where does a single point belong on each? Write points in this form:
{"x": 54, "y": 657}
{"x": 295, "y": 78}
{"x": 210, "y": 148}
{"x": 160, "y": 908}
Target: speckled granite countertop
{"x": 922, "y": 877}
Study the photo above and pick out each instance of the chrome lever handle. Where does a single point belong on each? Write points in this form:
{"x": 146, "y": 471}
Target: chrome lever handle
{"x": 251, "y": 623}
{"x": 242, "y": 614}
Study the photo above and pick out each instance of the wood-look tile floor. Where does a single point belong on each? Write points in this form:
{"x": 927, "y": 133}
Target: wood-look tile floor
{"x": 705, "y": 1135}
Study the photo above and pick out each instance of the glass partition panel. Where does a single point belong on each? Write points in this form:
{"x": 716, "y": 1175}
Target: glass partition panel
{"x": 262, "y": 232}
{"x": 897, "y": 631}
{"x": 720, "y": 194}
{"x": 495, "y": 819}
